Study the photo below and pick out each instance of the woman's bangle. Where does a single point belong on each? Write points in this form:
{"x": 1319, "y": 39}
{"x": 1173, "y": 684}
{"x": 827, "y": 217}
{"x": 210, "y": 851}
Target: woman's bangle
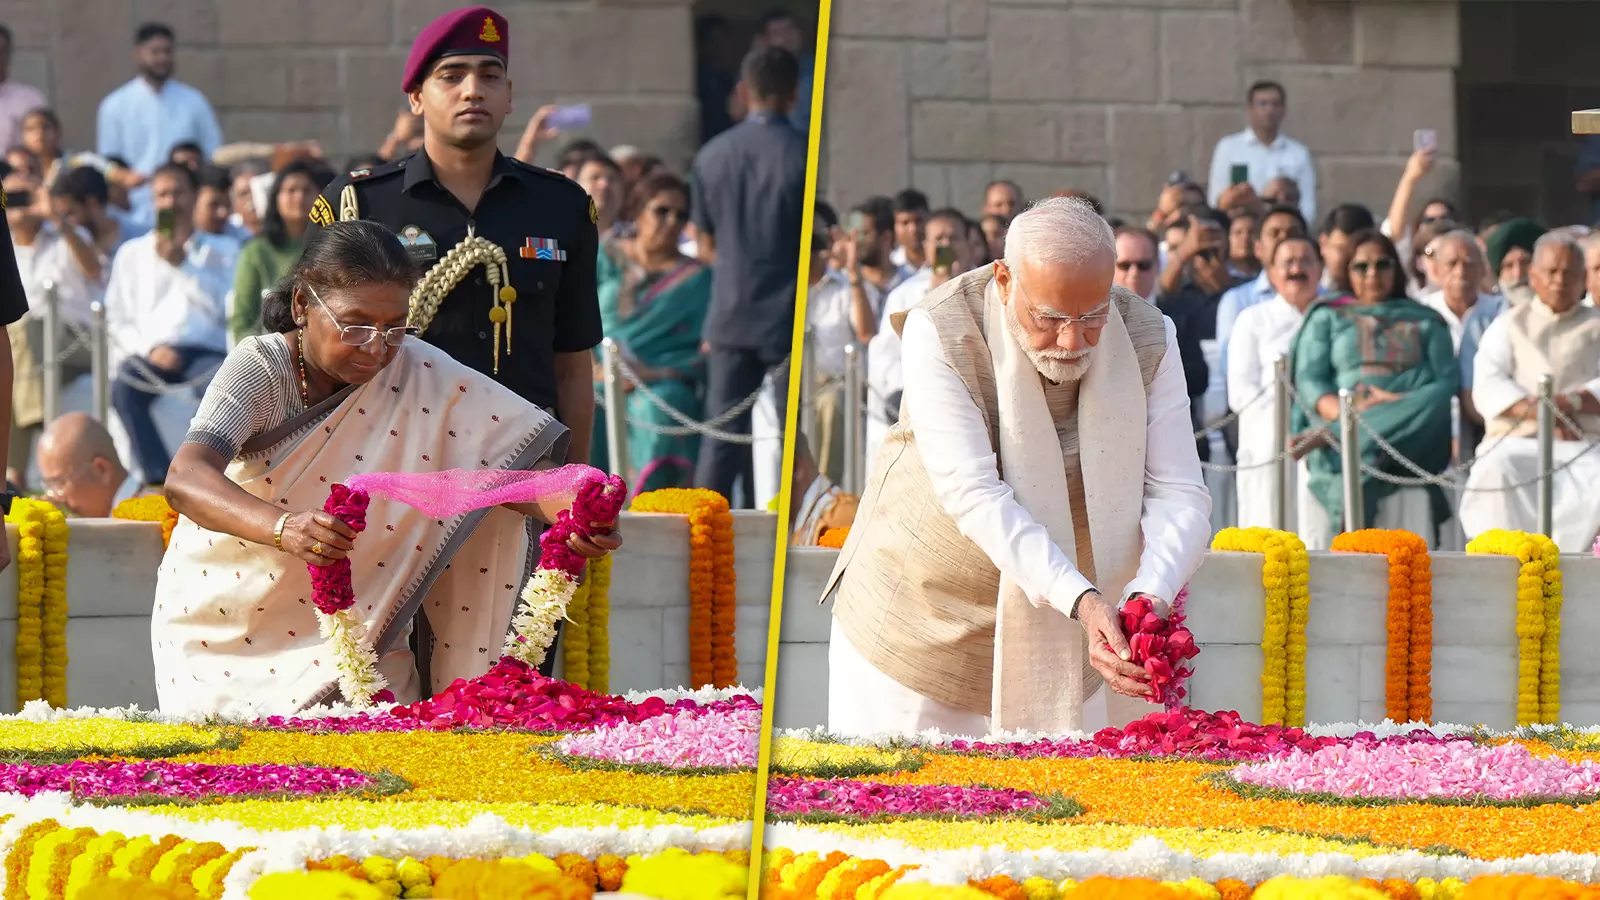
{"x": 277, "y": 531}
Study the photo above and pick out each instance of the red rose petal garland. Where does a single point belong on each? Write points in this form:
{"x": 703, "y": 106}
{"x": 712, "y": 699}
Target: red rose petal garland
{"x": 550, "y": 588}
{"x": 333, "y": 595}
{"x": 1161, "y": 646}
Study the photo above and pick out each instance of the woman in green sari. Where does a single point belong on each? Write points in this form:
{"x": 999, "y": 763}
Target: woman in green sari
{"x": 1397, "y": 355}
{"x": 653, "y": 301}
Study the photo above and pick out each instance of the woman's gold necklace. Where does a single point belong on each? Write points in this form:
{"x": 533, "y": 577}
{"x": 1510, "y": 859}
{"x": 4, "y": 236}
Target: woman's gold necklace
{"x": 300, "y": 360}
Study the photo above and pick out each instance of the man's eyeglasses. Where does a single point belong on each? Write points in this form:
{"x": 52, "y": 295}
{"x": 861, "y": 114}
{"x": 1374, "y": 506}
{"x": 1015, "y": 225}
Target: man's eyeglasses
{"x": 1043, "y": 320}
{"x": 364, "y": 335}
{"x": 1377, "y": 265}
{"x": 1143, "y": 265}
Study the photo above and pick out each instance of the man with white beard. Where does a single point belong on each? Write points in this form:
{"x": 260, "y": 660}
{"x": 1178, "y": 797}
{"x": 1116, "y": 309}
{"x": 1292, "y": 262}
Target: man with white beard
{"x": 979, "y": 587}
{"x": 1552, "y": 335}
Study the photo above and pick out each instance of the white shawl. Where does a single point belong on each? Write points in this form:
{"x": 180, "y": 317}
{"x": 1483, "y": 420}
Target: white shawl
{"x": 1039, "y": 654}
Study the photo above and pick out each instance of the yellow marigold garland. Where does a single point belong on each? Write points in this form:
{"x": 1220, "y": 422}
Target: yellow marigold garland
{"x": 1408, "y": 693}
{"x": 575, "y": 637}
{"x": 599, "y": 611}
{"x": 1538, "y": 620}
{"x": 712, "y": 585}
{"x": 586, "y": 641}
{"x": 1285, "y": 573}
{"x": 41, "y": 566}
{"x": 149, "y": 509}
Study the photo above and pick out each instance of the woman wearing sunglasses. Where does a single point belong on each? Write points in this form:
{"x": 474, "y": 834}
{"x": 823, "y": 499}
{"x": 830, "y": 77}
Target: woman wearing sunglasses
{"x": 1397, "y": 355}
{"x": 653, "y": 301}
{"x": 337, "y": 386}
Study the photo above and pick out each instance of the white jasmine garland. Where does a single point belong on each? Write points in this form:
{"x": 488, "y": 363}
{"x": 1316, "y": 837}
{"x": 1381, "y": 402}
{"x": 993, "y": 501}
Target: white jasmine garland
{"x": 544, "y": 603}
{"x": 354, "y": 657}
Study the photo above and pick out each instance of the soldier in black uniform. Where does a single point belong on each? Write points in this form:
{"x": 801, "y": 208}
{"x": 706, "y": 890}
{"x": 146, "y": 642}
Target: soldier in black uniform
{"x": 509, "y": 249}
{"x": 535, "y": 338}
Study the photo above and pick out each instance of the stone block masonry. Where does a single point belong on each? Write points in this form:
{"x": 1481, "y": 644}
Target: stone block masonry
{"x": 1109, "y": 97}
{"x": 330, "y": 69}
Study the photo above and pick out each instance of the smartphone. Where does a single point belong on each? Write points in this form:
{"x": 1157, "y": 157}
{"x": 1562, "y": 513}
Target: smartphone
{"x": 1424, "y": 139}
{"x": 944, "y": 257}
{"x": 858, "y": 224}
{"x": 1176, "y": 177}
{"x": 1239, "y": 173}
{"x": 18, "y": 199}
{"x": 570, "y": 118}
{"x": 166, "y": 221}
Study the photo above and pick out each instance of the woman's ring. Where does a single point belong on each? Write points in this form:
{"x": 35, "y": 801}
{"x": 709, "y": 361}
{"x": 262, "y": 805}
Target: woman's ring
{"x": 316, "y": 548}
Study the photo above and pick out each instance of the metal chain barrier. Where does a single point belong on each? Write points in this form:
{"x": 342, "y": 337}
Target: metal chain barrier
{"x": 711, "y": 428}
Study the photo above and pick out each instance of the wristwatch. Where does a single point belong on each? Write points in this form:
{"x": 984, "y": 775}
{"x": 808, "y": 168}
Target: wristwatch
{"x": 1076, "y": 603}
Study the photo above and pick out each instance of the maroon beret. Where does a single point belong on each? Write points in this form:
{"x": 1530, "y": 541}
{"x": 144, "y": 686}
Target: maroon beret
{"x": 473, "y": 31}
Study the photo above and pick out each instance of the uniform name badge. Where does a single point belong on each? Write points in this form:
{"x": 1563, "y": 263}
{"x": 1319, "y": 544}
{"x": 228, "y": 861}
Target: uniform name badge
{"x": 420, "y": 245}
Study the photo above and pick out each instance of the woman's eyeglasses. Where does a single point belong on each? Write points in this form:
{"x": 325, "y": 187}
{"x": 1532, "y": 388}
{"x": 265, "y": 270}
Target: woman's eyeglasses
{"x": 670, "y": 212}
{"x": 364, "y": 335}
{"x": 1377, "y": 265}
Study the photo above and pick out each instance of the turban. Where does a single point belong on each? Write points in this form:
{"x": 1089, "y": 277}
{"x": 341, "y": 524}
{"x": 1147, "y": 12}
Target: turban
{"x": 1509, "y": 235}
{"x": 473, "y": 31}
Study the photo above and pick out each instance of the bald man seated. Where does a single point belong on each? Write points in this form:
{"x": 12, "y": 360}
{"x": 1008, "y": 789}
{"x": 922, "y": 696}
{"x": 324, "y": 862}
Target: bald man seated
{"x": 80, "y": 469}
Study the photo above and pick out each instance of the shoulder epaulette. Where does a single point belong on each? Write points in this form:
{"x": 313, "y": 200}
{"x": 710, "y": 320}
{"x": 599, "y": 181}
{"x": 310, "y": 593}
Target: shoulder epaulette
{"x": 554, "y": 174}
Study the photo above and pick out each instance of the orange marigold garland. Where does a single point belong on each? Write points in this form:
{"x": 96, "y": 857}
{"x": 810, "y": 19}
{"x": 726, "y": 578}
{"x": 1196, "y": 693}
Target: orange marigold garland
{"x": 149, "y": 509}
{"x": 1408, "y": 692}
{"x": 712, "y": 584}
{"x": 833, "y": 537}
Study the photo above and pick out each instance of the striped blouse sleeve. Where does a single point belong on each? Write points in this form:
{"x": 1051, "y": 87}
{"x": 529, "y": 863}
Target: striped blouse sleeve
{"x": 248, "y": 396}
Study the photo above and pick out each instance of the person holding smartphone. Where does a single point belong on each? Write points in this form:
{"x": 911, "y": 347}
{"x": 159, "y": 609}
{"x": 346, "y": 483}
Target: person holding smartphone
{"x": 1192, "y": 286}
{"x": 1262, "y": 152}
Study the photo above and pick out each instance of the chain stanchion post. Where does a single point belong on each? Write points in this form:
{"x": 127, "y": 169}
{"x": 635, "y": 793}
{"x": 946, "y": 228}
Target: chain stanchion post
{"x": 50, "y": 348}
{"x": 1350, "y": 461}
{"x": 854, "y": 419}
{"x": 808, "y": 386}
{"x": 616, "y": 400}
{"x": 99, "y": 362}
{"x": 1547, "y": 454}
{"x": 1280, "y": 442}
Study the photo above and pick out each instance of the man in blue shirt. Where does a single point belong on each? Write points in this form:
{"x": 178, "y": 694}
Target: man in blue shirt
{"x": 143, "y": 120}
{"x": 749, "y": 198}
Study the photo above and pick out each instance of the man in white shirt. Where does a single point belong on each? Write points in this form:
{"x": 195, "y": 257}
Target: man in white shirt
{"x": 841, "y": 309}
{"x": 910, "y": 216}
{"x": 1555, "y": 335}
{"x": 945, "y": 249}
{"x": 142, "y": 121}
{"x": 79, "y": 466}
{"x": 966, "y": 596}
{"x": 166, "y": 313}
{"x": 1264, "y": 152}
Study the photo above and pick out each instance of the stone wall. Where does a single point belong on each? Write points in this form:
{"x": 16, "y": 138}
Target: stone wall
{"x": 1109, "y": 96}
{"x": 330, "y": 69}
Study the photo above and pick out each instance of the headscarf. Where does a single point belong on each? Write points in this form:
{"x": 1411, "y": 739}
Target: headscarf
{"x": 1511, "y": 234}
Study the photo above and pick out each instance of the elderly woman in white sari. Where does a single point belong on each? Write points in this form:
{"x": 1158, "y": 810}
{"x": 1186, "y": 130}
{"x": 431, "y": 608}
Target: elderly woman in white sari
{"x": 338, "y": 386}
{"x": 1261, "y": 334}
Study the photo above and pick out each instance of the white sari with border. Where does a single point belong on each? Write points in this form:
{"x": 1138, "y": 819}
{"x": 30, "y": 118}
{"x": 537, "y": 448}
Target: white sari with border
{"x": 233, "y": 621}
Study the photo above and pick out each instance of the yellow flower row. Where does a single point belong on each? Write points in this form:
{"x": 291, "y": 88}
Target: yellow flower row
{"x": 506, "y": 778}
{"x": 1286, "y": 576}
{"x": 838, "y": 876}
{"x": 1539, "y": 601}
{"x": 52, "y": 862}
{"x": 104, "y": 737}
{"x": 575, "y": 637}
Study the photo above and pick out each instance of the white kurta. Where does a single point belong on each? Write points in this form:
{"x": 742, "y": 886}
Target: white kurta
{"x": 961, "y": 463}
{"x": 1497, "y": 384}
{"x": 1261, "y": 334}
